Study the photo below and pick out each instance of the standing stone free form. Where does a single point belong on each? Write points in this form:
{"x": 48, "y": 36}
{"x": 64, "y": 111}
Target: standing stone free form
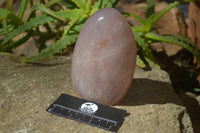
{"x": 104, "y": 58}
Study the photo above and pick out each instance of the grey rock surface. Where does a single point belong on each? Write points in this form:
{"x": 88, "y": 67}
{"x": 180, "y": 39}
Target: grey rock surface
{"x": 28, "y": 49}
{"x": 26, "y": 90}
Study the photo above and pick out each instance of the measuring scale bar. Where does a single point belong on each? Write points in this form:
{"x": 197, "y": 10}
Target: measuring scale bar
{"x": 88, "y": 112}
{"x": 83, "y": 117}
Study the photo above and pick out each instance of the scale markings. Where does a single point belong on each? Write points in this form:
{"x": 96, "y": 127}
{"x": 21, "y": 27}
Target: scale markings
{"x": 87, "y": 112}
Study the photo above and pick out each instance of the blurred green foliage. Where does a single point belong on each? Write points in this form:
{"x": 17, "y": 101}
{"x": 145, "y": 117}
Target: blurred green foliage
{"x": 73, "y": 14}
{"x": 144, "y": 35}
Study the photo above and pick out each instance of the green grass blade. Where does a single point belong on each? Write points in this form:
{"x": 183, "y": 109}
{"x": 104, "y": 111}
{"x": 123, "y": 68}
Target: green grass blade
{"x": 150, "y": 8}
{"x": 52, "y": 2}
{"x": 144, "y": 62}
{"x": 166, "y": 9}
{"x": 112, "y": 3}
{"x": 106, "y": 3}
{"x": 139, "y": 29}
{"x": 97, "y": 4}
{"x": 88, "y": 5}
{"x": 69, "y": 14}
{"x": 139, "y": 62}
{"x": 5, "y": 26}
{"x": 183, "y": 39}
{"x": 46, "y": 10}
{"x": 139, "y": 19}
{"x": 3, "y": 13}
{"x": 22, "y": 8}
{"x": 72, "y": 22}
{"x": 53, "y": 49}
{"x": 81, "y": 4}
{"x": 197, "y": 89}
{"x": 188, "y": 43}
{"x": 76, "y": 29}
{"x": 31, "y": 3}
{"x": 168, "y": 39}
{"x": 9, "y": 5}
{"x": 101, "y": 4}
{"x": 17, "y": 43}
{"x": 175, "y": 41}
{"x": 143, "y": 44}
{"x": 69, "y": 4}
{"x": 148, "y": 25}
{"x": 9, "y": 28}
{"x": 33, "y": 23}
{"x": 93, "y": 10}
{"x": 16, "y": 21}
{"x": 139, "y": 40}
{"x": 9, "y": 16}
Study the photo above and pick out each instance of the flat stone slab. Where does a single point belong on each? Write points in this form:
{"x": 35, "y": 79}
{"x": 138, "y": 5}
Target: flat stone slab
{"x": 26, "y": 91}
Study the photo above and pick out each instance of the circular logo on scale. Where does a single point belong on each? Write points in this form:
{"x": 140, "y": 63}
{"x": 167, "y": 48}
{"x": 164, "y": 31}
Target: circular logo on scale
{"x": 89, "y": 107}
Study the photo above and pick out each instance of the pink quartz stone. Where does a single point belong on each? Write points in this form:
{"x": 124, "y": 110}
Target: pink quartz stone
{"x": 104, "y": 58}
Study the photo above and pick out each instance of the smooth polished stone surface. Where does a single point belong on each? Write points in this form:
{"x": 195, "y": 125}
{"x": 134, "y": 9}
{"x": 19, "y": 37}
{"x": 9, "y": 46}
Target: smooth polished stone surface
{"x": 104, "y": 58}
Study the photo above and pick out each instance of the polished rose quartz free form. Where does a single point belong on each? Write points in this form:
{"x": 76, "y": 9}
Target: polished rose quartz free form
{"x": 104, "y": 58}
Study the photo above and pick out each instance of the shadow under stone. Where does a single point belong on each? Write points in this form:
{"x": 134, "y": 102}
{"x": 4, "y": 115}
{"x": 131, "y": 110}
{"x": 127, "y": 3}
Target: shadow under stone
{"x": 145, "y": 91}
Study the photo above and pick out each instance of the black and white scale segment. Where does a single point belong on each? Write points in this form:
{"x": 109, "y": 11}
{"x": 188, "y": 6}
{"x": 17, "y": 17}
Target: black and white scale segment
{"x": 88, "y": 112}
